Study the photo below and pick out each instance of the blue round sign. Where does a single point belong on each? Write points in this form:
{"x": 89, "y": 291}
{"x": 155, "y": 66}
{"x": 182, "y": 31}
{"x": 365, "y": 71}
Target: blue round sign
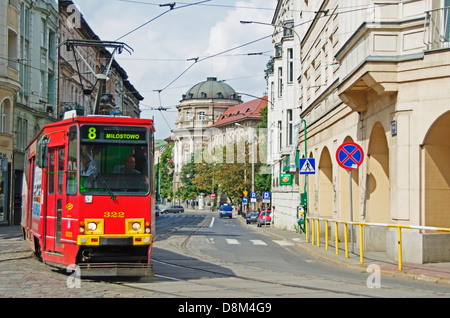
{"x": 349, "y": 155}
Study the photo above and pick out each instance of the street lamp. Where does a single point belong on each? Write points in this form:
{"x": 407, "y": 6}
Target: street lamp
{"x": 274, "y": 25}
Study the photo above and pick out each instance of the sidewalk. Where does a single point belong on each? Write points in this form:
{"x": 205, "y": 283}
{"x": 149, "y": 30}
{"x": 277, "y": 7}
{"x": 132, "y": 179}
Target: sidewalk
{"x": 434, "y": 273}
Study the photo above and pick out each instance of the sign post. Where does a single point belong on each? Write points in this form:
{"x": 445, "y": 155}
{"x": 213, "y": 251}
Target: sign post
{"x": 350, "y": 156}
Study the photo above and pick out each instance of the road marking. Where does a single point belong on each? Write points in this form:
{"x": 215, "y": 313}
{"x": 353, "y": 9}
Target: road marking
{"x": 232, "y": 241}
{"x": 283, "y": 243}
{"x": 212, "y": 222}
{"x": 258, "y": 242}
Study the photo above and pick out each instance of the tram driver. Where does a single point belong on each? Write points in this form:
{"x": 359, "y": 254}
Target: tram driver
{"x": 88, "y": 160}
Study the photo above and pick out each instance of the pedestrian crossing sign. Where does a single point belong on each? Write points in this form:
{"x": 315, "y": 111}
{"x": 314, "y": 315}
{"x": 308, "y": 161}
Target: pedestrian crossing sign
{"x": 307, "y": 166}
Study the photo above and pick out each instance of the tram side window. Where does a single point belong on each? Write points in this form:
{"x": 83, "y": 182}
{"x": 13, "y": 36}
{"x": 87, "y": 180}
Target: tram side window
{"x": 51, "y": 172}
{"x": 60, "y": 170}
{"x": 71, "y": 183}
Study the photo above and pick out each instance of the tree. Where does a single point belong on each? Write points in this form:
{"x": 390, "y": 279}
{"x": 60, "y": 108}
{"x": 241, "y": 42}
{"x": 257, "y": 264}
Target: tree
{"x": 188, "y": 190}
{"x": 167, "y": 167}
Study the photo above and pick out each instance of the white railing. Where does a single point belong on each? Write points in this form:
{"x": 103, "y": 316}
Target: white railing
{"x": 437, "y": 29}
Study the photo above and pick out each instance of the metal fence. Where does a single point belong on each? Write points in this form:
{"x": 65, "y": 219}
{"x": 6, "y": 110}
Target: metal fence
{"x": 315, "y": 234}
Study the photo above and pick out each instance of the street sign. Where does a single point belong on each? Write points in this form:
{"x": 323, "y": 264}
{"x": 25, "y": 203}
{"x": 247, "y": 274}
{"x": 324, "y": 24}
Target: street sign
{"x": 244, "y": 200}
{"x": 213, "y": 195}
{"x": 253, "y": 196}
{"x": 307, "y": 166}
{"x": 285, "y": 179}
{"x": 266, "y": 197}
{"x": 349, "y": 155}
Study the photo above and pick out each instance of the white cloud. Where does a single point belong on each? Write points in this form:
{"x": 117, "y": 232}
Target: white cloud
{"x": 162, "y": 46}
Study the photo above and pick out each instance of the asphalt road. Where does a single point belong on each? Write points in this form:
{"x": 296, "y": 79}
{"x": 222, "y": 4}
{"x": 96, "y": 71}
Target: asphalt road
{"x": 199, "y": 255}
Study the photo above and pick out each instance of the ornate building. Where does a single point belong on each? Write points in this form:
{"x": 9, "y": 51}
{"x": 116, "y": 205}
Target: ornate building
{"x": 200, "y": 107}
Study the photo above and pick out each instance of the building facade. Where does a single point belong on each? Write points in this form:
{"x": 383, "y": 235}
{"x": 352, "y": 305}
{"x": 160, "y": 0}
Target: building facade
{"x": 200, "y": 107}
{"x": 376, "y": 73}
{"x": 9, "y": 86}
{"x": 284, "y": 112}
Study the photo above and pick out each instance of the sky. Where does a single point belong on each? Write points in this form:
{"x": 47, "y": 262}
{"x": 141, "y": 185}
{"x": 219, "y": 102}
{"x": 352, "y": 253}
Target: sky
{"x": 165, "y": 43}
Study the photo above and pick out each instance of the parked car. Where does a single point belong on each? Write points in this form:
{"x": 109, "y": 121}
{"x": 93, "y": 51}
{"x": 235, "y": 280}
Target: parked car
{"x": 252, "y": 217}
{"x": 226, "y": 210}
{"x": 173, "y": 209}
{"x": 264, "y": 218}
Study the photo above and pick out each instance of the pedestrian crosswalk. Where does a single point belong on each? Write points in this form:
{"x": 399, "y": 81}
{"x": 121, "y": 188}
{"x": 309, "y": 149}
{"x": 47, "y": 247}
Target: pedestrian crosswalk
{"x": 233, "y": 241}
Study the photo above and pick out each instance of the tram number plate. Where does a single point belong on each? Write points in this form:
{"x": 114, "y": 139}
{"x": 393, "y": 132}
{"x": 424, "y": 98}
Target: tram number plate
{"x": 108, "y": 214}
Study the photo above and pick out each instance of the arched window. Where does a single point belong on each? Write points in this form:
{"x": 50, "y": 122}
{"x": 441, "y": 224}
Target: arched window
{"x": 5, "y": 114}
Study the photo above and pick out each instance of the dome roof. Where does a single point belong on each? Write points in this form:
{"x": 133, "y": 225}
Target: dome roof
{"x": 211, "y": 88}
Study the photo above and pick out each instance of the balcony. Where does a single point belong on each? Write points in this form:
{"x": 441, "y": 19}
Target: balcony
{"x": 437, "y": 29}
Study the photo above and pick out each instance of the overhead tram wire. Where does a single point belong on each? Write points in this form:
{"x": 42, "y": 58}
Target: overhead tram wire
{"x": 257, "y": 40}
{"x": 172, "y": 8}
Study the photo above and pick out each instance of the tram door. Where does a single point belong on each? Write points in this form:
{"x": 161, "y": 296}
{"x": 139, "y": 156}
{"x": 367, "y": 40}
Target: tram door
{"x": 54, "y": 198}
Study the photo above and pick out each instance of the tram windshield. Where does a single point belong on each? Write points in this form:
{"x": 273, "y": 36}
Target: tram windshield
{"x": 114, "y": 160}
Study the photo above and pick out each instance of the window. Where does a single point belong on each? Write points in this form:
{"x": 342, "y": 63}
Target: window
{"x": 22, "y": 133}
{"x": 60, "y": 172}
{"x": 290, "y": 65}
{"x": 186, "y": 156}
{"x": 110, "y": 163}
{"x": 280, "y": 135}
{"x": 288, "y": 28}
{"x": 71, "y": 185}
{"x": 201, "y": 115}
{"x": 187, "y": 116}
{"x": 280, "y": 82}
{"x": 4, "y": 116}
{"x": 289, "y": 133}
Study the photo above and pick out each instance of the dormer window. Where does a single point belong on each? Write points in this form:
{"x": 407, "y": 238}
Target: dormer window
{"x": 203, "y": 94}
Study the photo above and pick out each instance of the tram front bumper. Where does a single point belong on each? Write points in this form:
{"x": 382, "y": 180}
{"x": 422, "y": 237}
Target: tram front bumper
{"x": 114, "y": 240}
{"x": 115, "y": 269}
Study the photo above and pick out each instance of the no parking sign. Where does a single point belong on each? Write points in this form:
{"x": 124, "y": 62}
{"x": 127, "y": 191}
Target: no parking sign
{"x": 349, "y": 155}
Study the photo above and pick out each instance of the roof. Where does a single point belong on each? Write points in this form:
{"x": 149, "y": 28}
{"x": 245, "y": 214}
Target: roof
{"x": 240, "y": 112}
{"x": 211, "y": 88}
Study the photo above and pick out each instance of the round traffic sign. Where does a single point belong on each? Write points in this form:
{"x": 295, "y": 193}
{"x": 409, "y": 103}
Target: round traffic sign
{"x": 349, "y": 155}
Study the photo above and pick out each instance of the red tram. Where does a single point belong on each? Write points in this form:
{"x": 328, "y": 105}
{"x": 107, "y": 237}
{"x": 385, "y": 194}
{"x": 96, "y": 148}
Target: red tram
{"x": 88, "y": 197}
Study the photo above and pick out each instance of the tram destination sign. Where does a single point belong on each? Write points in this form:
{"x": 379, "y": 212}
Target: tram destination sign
{"x": 109, "y": 133}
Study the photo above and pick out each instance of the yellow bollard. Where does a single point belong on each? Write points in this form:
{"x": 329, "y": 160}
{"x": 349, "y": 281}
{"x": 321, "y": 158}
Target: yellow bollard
{"x": 361, "y": 245}
{"x": 306, "y": 229}
{"x": 318, "y": 233}
{"x": 326, "y": 235}
{"x": 336, "y": 237}
{"x": 346, "y": 239}
{"x": 313, "y": 232}
{"x": 399, "y": 229}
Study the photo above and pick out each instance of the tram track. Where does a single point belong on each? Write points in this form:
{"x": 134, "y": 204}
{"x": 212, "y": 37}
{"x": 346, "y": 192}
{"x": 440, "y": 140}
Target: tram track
{"x": 186, "y": 239}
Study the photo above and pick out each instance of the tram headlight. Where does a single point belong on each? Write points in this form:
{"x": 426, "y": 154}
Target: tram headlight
{"x": 136, "y": 226}
{"x": 92, "y": 226}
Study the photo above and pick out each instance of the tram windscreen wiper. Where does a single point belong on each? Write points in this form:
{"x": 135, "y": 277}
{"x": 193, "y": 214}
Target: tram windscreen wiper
{"x": 99, "y": 176}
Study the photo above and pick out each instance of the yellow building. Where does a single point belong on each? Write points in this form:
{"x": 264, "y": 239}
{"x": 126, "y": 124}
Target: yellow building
{"x": 9, "y": 86}
{"x": 378, "y": 74}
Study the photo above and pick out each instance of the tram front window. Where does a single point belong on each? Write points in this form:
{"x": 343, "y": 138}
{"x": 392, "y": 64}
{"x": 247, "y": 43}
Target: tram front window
{"x": 111, "y": 163}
